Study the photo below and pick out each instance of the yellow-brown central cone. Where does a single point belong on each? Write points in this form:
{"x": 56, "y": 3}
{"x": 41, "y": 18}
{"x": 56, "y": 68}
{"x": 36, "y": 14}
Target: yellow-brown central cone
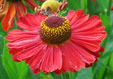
{"x": 55, "y": 30}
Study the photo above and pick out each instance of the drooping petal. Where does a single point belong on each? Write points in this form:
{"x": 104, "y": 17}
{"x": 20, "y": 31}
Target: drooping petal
{"x": 26, "y": 52}
{"x": 1, "y": 2}
{"x": 52, "y": 59}
{"x": 74, "y": 15}
{"x": 92, "y": 22}
{"x": 40, "y": 17}
{"x": 7, "y": 21}
{"x": 46, "y": 60}
{"x": 72, "y": 58}
{"x": 30, "y": 22}
{"x": 22, "y": 46}
{"x": 83, "y": 53}
{"x": 57, "y": 58}
{"x": 79, "y": 20}
{"x": 32, "y": 4}
{"x": 3, "y": 10}
{"x": 22, "y": 43}
{"x": 21, "y": 9}
{"x": 89, "y": 34}
{"x": 66, "y": 65}
{"x": 15, "y": 35}
{"x": 35, "y": 61}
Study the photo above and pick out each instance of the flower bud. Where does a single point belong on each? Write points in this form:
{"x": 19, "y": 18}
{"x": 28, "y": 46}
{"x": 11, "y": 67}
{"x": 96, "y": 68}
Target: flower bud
{"x": 52, "y": 4}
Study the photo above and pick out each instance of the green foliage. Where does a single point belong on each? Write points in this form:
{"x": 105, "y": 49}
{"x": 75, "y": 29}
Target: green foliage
{"x": 14, "y": 69}
{"x": 3, "y": 74}
{"x": 102, "y": 69}
{"x": 85, "y": 73}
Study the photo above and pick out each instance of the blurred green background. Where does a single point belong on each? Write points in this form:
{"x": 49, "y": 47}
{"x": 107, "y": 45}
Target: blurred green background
{"x": 102, "y": 69}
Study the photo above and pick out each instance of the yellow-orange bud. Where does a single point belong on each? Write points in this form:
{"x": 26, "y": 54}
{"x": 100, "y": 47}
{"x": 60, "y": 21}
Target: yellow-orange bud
{"x": 52, "y": 4}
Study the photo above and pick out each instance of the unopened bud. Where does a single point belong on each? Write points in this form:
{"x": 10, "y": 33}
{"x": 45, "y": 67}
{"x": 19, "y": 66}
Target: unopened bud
{"x": 53, "y": 4}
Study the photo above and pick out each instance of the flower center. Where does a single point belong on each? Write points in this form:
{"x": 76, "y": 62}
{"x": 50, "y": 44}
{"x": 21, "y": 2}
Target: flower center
{"x": 55, "y": 30}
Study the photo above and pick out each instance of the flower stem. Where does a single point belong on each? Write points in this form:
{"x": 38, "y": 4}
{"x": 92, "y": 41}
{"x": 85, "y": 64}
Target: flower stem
{"x": 63, "y": 76}
{"x": 70, "y": 75}
{"x": 110, "y": 3}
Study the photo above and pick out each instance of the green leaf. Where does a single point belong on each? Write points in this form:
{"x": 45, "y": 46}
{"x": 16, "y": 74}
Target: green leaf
{"x": 3, "y": 74}
{"x": 102, "y": 65}
{"x": 93, "y": 7}
{"x": 15, "y": 70}
{"x": 109, "y": 71}
{"x": 103, "y": 4}
{"x": 85, "y": 73}
{"x": 111, "y": 62}
{"x": 84, "y": 5}
{"x": 74, "y": 4}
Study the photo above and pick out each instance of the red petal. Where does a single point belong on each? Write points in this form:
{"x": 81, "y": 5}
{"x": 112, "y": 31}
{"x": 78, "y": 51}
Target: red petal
{"x": 57, "y": 58}
{"x": 52, "y": 60}
{"x": 82, "y": 52}
{"x": 47, "y": 61}
{"x": 30, "y": 22}
{"x": 101, "y": 49}
{"x": 32, "y": 4}
{"x": 18, "y": 48}
{"x": 15, "y": 35}
{"x": 1, "y": 2}
{"x": 35, "y": 60}
{"x": 73, "y": 15}
{"x": 90, "y": 24}
{"x": 79, "y": 20}
{"x": 3, "y": 11}
{"x": 72, "y": 58}
{"x": 7, "y": 22}
{"x": 40, "y": 17}
{"x": 21, "y": 9}
{"x": 89, "y": 34}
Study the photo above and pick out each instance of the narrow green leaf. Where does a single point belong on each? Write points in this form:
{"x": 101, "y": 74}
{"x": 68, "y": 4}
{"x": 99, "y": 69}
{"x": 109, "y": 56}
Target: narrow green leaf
{"x": 85, "y": 74}
{"x": 15, "y": 70}
{"x": 84, "y": 5}
{"x": 3, "y": 74}
{"x": 103, "y": 4}
{"x": 74, "y": 4}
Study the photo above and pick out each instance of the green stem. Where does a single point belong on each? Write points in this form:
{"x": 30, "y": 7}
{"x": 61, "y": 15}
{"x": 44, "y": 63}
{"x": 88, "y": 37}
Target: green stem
{"x": 110, "y": 3}
{"x": 63, "y": 76}
{"x": 84, "y": 5}
{"x": 70, "y": 75}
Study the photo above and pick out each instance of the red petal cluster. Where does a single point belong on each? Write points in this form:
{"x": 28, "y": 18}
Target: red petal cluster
{"x": 80, "y": 51}
{"x": 15, "y": 8}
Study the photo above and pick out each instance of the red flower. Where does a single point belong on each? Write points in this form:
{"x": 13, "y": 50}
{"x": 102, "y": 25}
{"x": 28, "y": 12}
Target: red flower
{"x": 94, "y": 0}
{"x": 15, "y": 8}
{"x": 57, "y": 43}
{"x": 112, "y": 8}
